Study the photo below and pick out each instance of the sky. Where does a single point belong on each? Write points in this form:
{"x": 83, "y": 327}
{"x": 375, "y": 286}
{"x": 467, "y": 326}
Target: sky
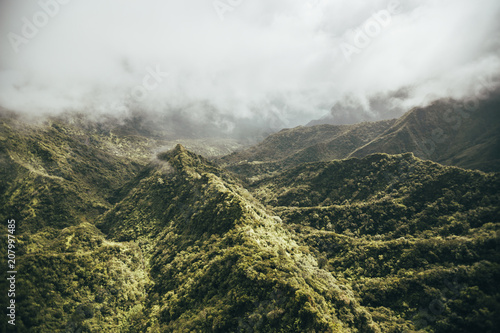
{"x": 271, "y": 63}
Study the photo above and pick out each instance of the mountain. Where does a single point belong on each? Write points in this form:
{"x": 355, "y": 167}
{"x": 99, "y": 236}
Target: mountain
{"x": 459, "y": 133}
{"x": 54, "y": 175}
{"x": 119, "y": 232}
{"x": 187, "y": 248}
{"x": 77, "y": 158}
{"x": 447, "y": 131}
{"x": 303, "y": 144}
{"x": 219, "y": 262}
{"x": 416, "y": 241}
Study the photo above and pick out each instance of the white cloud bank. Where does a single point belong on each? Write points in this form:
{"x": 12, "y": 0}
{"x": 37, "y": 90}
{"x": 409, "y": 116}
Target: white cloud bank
{"x": 281, "y": 62}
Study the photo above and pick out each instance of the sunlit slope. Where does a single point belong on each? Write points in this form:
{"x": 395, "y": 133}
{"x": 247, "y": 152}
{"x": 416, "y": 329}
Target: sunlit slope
{"x": 55, "y": 175}
{"x": 75, "y": 280}
{"x": 290, "y": 147}
{"x": 220, "y": 263}
{"x": 450, "y": 132}
{"x": 115, "y": 238}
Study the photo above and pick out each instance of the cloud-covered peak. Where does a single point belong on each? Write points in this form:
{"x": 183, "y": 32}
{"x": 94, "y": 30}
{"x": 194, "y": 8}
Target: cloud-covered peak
{"x": 278, "y": 63}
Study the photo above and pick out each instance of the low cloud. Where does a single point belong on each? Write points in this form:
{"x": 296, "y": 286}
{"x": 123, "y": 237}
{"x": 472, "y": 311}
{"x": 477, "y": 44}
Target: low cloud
{"x": 262, "y": 65}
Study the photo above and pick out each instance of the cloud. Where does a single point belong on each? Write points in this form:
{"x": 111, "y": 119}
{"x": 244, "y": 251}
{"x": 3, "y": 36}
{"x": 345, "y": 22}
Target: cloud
{"x": 271, "y": 63}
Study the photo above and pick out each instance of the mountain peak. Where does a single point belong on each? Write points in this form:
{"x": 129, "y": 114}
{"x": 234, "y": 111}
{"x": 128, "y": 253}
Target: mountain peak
{"x": 178, "y": 153}
{"x": 186, "y": 161}
{"x": 179, "y": 149}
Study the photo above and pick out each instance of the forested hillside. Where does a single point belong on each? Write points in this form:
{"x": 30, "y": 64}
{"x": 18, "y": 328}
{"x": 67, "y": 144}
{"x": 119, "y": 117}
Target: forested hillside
{"x": 416, "y": 240}
{"x": 115, "y": 238}
{"x": 458, "y": 133}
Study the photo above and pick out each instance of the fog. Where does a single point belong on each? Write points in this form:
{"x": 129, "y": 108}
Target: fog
{"x": 241, "y": 65}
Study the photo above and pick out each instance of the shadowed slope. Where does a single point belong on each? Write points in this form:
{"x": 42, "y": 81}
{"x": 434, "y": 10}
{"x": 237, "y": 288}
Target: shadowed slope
{"x": 448, "y": 132}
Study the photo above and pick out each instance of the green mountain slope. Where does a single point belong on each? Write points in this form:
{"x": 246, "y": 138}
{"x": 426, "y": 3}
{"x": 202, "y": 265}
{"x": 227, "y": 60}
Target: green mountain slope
{"x": 220, "y": 263}
{"x": 57, "y": 178}
{"x": 303, "y": 144}
{"x": 448, "y": 132}
{"x": 71, "y": 168}
{"x": 458, "y": 133}
{"x": 115, "y": 238}
{"x": 75, "y": 280}
{"x": 54, "y": 175}
{"x": 417, "y": 241}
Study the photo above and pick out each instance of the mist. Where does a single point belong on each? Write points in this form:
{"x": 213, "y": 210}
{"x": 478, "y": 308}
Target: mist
{"x": 244, "y": 66}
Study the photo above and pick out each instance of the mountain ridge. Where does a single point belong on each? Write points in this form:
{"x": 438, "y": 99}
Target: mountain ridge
{"x": 446, "y": 131}
{"x": 239, "y": 222}
{"x": 299, "y": 244}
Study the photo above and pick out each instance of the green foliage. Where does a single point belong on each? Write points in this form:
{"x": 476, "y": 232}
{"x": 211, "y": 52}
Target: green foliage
{"x": 219, "y": 262}
{"x": 447, "y": 131}
{"x": 112, "y": 241}
{"x": 385, "y": 195}
{"x": 52, "y": 176}
{"x": 75, "y": 280}
{"x": 413, "y": 239}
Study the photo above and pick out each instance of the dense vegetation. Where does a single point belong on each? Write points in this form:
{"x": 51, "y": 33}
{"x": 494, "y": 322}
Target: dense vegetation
{"x": 459, "y": 133}
{"x": 110, "y": 240}
{"x": 415, "y": 240}
{"x": 220, "y": 262}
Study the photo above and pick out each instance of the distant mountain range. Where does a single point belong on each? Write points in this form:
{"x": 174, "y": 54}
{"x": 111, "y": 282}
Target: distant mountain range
{"x": 351, "y": 228}
{"x": 447, "y": 131}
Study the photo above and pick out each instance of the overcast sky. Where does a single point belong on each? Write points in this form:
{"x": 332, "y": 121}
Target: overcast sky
{"x": 282, "y": 61}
